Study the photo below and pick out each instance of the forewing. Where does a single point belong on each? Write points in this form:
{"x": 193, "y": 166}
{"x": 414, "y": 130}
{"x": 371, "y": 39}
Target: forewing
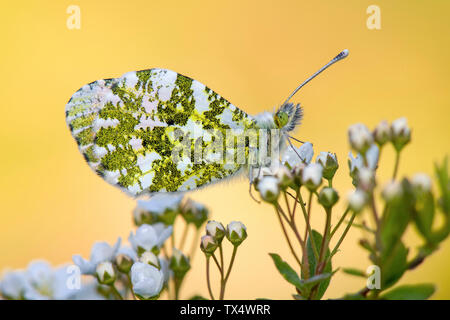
{"x": 125, "y": 128}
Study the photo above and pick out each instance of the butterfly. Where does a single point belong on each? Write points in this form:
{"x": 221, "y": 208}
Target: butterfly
{"x": 128, "y": 128}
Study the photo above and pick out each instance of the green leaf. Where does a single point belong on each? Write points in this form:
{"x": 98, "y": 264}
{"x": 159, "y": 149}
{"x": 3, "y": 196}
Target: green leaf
{"x": 197, "y": 297}
{"x": 313, "y": 262}
{"x": 355, "y": 272}
{"x": 287, "y": 272}
{"x": 397, "y": 215}
{"x": 354, "y": 296}
{"x": 314, "y": 280}
{"x": 444, "y": 185}
{"x": 410, "y": 292}
{"x": 424, "y": 214}
{"x": 444, "y": 201}
{"x": 394, "y": 266}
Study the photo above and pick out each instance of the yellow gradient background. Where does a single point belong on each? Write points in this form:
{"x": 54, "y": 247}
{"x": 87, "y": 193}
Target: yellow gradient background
{"x": 254, "y": 53}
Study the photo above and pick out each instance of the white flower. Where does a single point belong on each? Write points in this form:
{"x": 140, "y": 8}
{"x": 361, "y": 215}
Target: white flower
{"x": 294, "y": 157}
{"x": 215, "y": 229}
{"x": 269, "y": 189}
{"x": 366, "y": 178}
{"x": 150, "y": 258}
{"x": 105, "y": 272}
{"x": 357, "y": 200}
{"x": 165, "y": 269}
{"x": 100, "y": 252}
{"x": 40, "y": 275}
{"x": 382, "y": 133}
{"x": 372, "y": 155}
{"x": 159, "y": 203}
{"x": 360, "y": 137}
{"x": 44, "y": 282}
{"x": 312, "y": 176}
{"x": 150, "y": 236}
{"x": 89, "y": 291}
{"x": 236, "y": 232}
{"x": 13, "y": 284}
{"x": 391, "y": 190}
{"x": 147, "y": 280}
{"x": 422, "y": 181}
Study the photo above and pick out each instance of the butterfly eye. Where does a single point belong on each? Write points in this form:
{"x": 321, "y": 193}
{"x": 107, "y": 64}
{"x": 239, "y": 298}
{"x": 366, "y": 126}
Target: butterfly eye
{"x": 281, "y": 119}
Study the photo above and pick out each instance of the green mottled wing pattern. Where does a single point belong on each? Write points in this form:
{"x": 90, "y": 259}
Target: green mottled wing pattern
{"x": 125, "y": 126}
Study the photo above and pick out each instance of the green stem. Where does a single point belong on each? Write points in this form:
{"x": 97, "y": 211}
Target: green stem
{"x": 287, "y": 238}
{"x": 222, "y": 271}
{"x": 217, "y": 262}
{"x": 308, "y": 225}
{"x": 344, "y": 234}
{"x": 194, "y": 245}
{"x": 208, "y": 280}
{"x": 116, "y": 292}
{"x": 397, "y": 161}
{"x": 233, "y": 256}
{"x": 325, "y": 240}
{"x": 224, "y": 280}
{"x": 340, "y": 222}
{"x": 131, "y": 286}
{"x": 183, "y": 237}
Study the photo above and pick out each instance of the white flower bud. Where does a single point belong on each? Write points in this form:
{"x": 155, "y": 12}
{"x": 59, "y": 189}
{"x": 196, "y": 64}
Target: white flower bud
{"x": 236, "y": 232}
{"x": 360, "y": 137}
{"x": 105, "y": 273}
{"x": 150, "y": 258}
{"x": 179, "y": 263}
{"x": 208, "y": 244}
{"x": 328, "y": 197}
{"x": 312, "y": 176}
{"x": 269, "y": 189}
{"x": 382, "y": 133}
{"x": 284, "y": 176}
{"x": 401, "y": 134}
{"x": 391, "y": 190}
{"x": 147, "y": 280}
{"x": 422, "y": 181}
{"x": 357, "y": 200}
{"x": 329, "y": 163}
{"x": 216, "y": 230}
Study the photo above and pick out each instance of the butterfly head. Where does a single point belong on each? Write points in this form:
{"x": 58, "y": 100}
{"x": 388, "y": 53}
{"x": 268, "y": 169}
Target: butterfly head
{"x": 288, "y": 117}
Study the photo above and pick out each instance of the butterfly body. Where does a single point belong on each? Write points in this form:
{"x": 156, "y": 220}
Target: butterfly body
{"x": 156, "y": 131}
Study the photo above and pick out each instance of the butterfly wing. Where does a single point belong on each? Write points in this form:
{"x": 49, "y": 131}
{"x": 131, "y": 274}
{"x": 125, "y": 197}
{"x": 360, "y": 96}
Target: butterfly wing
{"x": 125, "y": 127}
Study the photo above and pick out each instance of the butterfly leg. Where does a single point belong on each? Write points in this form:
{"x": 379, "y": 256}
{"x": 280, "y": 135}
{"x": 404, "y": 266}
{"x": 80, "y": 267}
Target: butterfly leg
{"x": 250, "y": 178}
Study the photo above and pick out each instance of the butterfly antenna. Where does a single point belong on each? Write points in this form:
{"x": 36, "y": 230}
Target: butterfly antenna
{"x": 292, "y": 146}
{"x": 340, "y": 56}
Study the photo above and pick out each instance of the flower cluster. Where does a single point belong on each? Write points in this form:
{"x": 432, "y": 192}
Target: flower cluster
{"x": 41, "y": 281}
{"x": 368, "y": 146}
{"x": 295, "y": 170}
{"x": 407, "y": 201}
{"x": 142, "y": 269}
{"x": 235, "y": 233}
